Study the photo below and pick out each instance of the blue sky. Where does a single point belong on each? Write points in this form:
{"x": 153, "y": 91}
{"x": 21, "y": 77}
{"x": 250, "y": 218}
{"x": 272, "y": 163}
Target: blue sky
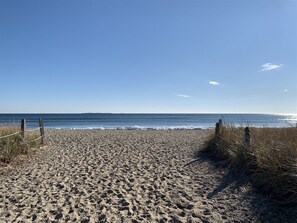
{"x": 162, "y": 56}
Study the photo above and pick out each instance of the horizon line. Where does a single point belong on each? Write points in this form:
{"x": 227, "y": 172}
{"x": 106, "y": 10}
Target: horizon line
{"x": 135, "y": 113}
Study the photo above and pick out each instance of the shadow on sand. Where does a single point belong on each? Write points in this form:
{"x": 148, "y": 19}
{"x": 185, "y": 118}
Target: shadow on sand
{"x": 264, "y": 208}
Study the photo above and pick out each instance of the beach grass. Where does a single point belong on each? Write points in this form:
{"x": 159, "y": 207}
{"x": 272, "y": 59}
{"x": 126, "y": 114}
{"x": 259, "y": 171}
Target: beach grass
{"x": 13, "y": 146}
{"x": 270, "y": 159}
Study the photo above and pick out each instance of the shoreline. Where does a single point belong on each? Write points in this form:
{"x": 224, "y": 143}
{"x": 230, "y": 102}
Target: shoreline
{"x": 158, "y": 128}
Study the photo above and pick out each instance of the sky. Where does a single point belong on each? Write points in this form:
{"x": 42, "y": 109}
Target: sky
{"x": 148, "y": 56}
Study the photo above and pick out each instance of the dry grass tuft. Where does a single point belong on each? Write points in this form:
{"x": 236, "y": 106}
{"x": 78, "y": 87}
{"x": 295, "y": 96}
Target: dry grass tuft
{"x": 271, "y": 159}
{"x": 14, "y": 146}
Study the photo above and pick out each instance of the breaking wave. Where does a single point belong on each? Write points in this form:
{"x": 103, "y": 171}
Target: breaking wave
{"x": 143, "y": 128}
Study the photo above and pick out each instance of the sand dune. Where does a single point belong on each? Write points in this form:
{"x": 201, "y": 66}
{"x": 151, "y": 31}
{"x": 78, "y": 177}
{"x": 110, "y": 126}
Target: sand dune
{"x": 129, "y": 176}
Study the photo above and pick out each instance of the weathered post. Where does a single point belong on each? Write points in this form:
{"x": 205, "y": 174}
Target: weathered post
{"x": 221, "y": 123}
{"x": 247, "y": 137}
{"x": 41, "y": 126}
{"x": 217, "y": 130}
{"x": 23, "y": 126}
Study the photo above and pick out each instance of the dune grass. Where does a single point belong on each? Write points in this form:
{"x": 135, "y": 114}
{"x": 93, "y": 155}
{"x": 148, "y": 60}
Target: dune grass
{"x": 13, "y": 146}
{"x": 270, "y": 160}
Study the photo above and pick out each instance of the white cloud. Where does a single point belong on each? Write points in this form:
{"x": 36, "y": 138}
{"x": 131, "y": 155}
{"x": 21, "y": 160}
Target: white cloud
{"x": 285, "y": 90}
{"x": 270, "y": 66}
{"x": 214, "y": 83}
{"x": 183, "y": 95}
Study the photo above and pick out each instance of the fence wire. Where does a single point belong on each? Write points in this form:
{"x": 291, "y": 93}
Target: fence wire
{"x": 15, "y": 133}
{"x": 31, "y": 130}
{"x": 34, "y": 139}
{"x": 2, "y": 137}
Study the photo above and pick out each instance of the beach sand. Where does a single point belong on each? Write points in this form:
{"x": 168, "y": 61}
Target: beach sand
{"x": 130, "y": 176}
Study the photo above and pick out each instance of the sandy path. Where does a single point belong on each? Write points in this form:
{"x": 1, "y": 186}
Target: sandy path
{"x": 129, "y": 176}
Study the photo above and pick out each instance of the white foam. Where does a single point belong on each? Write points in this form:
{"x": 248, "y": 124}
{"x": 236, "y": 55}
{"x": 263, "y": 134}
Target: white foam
{"x": 141, "y": 128}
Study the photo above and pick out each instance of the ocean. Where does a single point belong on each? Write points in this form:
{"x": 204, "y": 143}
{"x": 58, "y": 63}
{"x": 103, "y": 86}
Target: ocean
{"x": 147, "y": 121}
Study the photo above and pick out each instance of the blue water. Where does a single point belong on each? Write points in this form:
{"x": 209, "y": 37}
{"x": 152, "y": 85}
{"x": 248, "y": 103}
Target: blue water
{"x": 148, "y": 121}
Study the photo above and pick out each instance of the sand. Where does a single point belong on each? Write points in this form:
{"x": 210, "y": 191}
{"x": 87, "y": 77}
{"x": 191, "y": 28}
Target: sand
{"x": 130, "y": 176}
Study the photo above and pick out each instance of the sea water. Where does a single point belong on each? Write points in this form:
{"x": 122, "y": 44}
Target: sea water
{"x": 148, "y": 121}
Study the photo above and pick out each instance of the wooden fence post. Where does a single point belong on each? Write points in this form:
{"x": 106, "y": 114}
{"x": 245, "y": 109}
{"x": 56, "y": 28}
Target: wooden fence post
{"x": 221, "y": 123}
{"x": 23, "y": 126}
{"x": 247, "y": 137}
{"x": 217, "y": 130}
{"x": 41, "y": 130}
{"x": 219, "y": 126}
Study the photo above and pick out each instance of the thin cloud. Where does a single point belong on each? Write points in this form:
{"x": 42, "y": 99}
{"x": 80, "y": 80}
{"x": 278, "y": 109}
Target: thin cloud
{"x": 285, "y": 90}
{"x": 183, "y": 95}
{"x": 270, "y": 66}
{"x": 214, "y": 83}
